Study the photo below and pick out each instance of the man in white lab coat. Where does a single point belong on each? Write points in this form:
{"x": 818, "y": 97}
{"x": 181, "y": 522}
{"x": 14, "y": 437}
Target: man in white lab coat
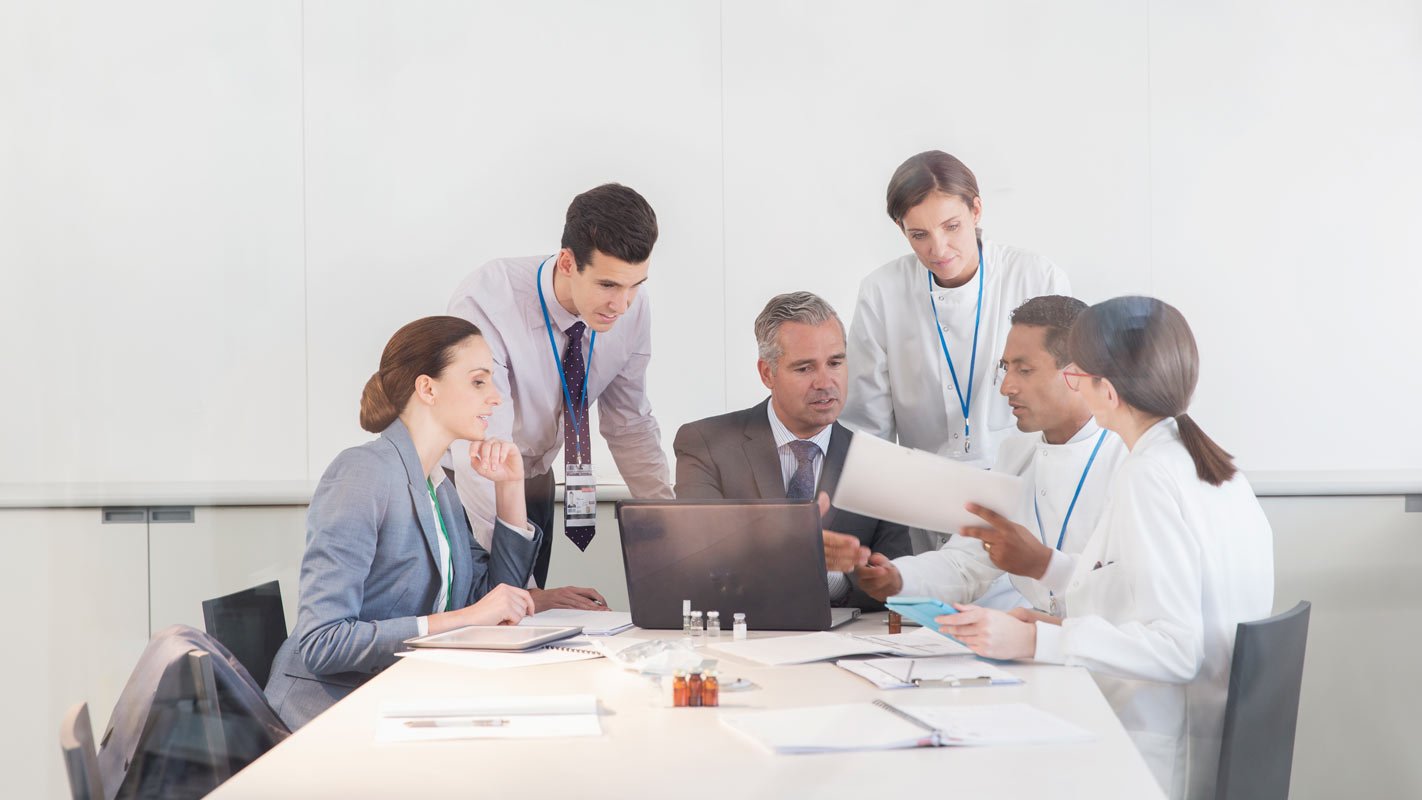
{"x": 568, "y": 330}
{"x": 1066, "y": 460}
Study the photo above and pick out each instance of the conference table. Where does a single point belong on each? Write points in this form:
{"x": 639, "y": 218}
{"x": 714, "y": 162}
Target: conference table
{"x": 648, "y": 749}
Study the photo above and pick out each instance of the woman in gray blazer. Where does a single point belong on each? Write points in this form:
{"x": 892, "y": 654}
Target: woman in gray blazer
{"x": 389, "y": 551}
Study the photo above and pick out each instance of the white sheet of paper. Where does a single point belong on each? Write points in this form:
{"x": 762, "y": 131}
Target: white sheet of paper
{"x": 803, "y": 649}
{"x": 918, "y": 642}
{"x": 923, "y": 490}
{"x": 899, "y": 671}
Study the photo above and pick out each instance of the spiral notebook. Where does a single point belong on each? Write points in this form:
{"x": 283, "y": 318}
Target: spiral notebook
{"x": 886, "y": 726}
{"x": 560, "y": 653}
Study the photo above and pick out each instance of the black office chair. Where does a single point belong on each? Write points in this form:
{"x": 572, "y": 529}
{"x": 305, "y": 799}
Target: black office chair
{"x": 1257, "y": 754}
{"x": 250, "y": 623}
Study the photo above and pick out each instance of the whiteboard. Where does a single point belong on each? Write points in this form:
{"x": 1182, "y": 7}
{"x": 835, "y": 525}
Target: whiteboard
{"x": 205, "y": 257}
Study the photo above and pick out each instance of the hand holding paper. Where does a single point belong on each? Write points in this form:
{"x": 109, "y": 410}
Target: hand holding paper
{"x": 923, "y": 490}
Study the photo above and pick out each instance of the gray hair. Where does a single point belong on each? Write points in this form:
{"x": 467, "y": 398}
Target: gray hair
{"x": 802, "y": 307}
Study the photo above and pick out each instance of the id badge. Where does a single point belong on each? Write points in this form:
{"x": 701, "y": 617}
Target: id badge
{"x": 579, "y": 495}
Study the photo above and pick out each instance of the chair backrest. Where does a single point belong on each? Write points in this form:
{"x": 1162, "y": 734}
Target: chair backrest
{"x": 189, "y": 716}
{"x": 81, "y": 760}
{"x": 251, "y": 624}
{"x": 1257, "y": 753}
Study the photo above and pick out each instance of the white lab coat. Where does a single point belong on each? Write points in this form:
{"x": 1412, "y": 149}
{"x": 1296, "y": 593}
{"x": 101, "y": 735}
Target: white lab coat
{"x": 962, "y": 572}
{"x": 1174, "y": 565}
{"x": 899, "y": 387}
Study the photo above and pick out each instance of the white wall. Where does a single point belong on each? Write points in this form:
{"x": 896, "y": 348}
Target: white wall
{"x": 214, "y": 215}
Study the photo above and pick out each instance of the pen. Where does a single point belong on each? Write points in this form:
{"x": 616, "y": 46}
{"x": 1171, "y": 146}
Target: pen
{"x": 909, "y": 677}
{"x": 455, "y": 722}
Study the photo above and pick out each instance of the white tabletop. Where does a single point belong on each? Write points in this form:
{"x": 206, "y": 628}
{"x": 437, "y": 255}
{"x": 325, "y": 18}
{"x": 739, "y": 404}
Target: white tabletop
{"x": 649, "y": 750}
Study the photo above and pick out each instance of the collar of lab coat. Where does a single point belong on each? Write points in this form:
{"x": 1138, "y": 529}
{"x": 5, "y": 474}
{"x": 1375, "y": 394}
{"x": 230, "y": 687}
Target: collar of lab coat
{"x": 1165, "y": 430}
{"x": 1088, "y": 431}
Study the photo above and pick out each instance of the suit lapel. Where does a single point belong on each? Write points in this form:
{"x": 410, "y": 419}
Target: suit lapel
{"x": 419, "y": 490}
{"x": 761, "y": 454}
{"x": 460, "y": 537}
{"x": 834, "y": 459}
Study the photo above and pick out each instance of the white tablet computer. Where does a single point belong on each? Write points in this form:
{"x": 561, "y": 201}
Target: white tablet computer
{"x": 495, "y": 637}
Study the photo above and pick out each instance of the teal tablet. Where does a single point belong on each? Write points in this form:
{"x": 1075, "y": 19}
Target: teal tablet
{"x": 921, "y": 610}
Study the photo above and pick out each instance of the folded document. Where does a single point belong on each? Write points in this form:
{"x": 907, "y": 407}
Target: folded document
{"x": 823, "y": 646}
{"x": 902, "y": 673}
{"x": 884, "y": 726}
{"x": 515, "y": 717}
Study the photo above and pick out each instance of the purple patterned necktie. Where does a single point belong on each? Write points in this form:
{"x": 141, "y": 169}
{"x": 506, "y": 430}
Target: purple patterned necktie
{"x": 802, "y": 482}
{"x": 577, "y": 449}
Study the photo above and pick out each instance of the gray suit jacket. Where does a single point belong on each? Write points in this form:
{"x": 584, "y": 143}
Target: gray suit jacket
{"x": 371, "y": 568}
{"x": 733, "y": 457}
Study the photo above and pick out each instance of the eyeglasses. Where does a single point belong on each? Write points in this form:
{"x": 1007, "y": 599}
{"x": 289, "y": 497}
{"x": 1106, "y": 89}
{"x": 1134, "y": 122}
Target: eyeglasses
{"x": 1073, "y": 379}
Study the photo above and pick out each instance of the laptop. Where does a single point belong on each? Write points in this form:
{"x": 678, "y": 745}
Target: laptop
{"x": 763, "y": 558}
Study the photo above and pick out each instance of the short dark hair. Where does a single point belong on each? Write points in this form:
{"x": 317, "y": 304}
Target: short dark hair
{"x": 929, "y": 171}
{"x": 610, "y": 219}
{"x": 1055, "y": 312}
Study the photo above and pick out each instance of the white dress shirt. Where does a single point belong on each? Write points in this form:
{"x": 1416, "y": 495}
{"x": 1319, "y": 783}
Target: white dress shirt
{"x": 961, "y": 571}
{"x": 838, "y": 583}
{"x": 1173, "y": 566}
{"x": 446, "y": 559}
{"x": 899, "y": 387}
{"x": 501, "y": 298}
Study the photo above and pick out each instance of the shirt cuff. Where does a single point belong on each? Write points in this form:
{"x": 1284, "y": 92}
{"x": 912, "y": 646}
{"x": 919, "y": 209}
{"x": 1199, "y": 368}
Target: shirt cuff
{"x": 1059, "y": 571}
{"x": 839, "y": 585}
{"x": 526, "y": 533}
{"x": 1050, "y": 649}
{"x": 422, "y": 624}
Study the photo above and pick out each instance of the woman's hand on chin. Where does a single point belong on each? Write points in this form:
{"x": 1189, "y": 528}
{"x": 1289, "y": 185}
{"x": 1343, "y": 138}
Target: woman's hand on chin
{"x": 496, "y": 460}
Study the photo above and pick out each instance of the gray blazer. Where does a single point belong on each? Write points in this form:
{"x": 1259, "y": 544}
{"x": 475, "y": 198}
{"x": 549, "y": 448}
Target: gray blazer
{"x": 371, "y": 568}
{"x": 733, "y": 456}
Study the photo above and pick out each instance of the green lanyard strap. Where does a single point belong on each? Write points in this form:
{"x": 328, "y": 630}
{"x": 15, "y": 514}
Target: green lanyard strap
{"x": 439, "y": 518}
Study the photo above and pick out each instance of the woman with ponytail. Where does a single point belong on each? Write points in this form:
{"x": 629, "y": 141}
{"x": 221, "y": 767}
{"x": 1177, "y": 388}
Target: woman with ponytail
{"x": 389, "y": 551}
{"x": 1182, "y": 554}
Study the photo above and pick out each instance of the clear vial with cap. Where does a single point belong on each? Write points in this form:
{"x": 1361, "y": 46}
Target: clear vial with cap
{"x": 686, "y": 625}
{"x": 713, "y": 626}
{"x": 738, "y": 625}
{"x": 698, "y": 627}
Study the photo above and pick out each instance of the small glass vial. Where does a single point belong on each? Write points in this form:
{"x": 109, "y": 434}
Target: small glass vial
{"x": 896, "y": 622}
{"x": 710, "y": 690}
{"x": 680, "y": 690}
{"x": 693, "y": 688}
{"x": 738, "y": 626}
{"x": 686, "y": 625}
{"x": 713, "y": 626}
{"x": 697, "y": 627}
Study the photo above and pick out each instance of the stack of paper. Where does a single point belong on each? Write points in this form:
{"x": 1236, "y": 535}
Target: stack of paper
{"x": 489, "y": 718}
{"x": 558, "y": 653}
{"x": 593, "y": 623}
{"x": 805, "y": 648}
{"x": 881, "y": 726}
{"x": 900, "y": 673}
{"x": 799, "y": 649}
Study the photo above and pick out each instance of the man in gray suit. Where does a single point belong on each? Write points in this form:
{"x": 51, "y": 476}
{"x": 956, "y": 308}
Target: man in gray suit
{"x": 790, "y": 445}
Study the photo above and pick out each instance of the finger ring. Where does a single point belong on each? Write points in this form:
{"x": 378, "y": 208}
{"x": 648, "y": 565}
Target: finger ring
{"x": 987, "y": 546}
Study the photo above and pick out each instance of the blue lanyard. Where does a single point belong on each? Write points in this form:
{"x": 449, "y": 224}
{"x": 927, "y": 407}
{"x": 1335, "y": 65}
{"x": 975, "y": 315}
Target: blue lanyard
{"x": 558, "y": 359}
{"x": 964, "y": 402}
{"x": 1062, "y": 536}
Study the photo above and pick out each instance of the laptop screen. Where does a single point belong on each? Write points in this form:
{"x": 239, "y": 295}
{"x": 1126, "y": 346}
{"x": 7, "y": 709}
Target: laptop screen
{"x": 763, "y": 558}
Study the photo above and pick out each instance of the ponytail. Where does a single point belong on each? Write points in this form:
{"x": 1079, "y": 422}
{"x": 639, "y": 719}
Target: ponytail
{"x": 1212, "y": 464}
{"x": 376, "y": 410}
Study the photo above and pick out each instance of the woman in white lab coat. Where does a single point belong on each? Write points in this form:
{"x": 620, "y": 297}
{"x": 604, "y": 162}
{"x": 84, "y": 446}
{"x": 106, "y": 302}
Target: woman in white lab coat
{"x": 1182, "y": 554}
{"x": 929, "y": 325}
